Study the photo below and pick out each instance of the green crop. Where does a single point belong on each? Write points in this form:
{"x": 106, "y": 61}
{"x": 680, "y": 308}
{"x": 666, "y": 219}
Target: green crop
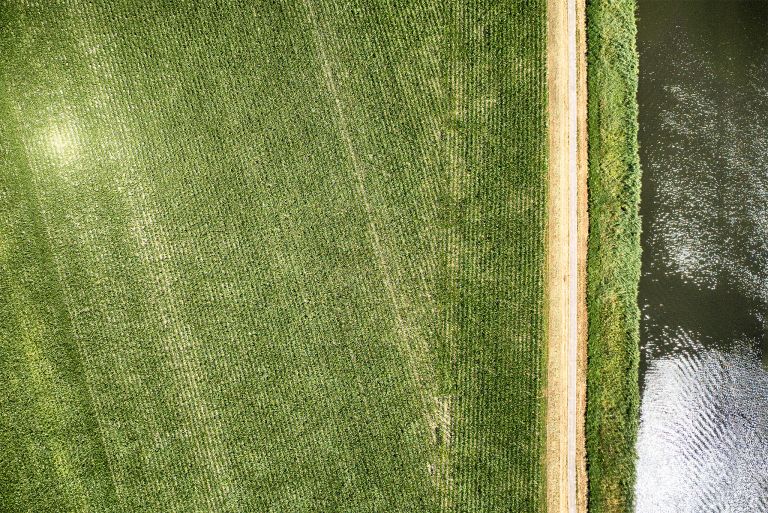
{"x": 272, "y": 256}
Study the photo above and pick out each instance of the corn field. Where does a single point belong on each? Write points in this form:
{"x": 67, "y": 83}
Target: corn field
{"x": 278, "y": 257}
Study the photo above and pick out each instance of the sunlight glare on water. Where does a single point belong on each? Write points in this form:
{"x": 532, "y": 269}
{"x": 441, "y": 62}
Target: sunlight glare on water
{"x": 703, "y": 439}
{"x": 704, "y": 435}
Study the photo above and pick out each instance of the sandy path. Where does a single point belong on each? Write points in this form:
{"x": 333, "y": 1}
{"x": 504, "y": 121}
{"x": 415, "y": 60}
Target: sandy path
{"x": 583, "y": 231}
{"x": 565, "y": 255}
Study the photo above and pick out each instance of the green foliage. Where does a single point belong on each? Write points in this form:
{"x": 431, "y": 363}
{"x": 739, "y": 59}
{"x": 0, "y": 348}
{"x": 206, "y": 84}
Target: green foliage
{"x": 614, "y": 255}
{"x": 272, "y": 256}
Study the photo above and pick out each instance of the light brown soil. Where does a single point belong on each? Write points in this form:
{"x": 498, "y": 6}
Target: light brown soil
{"x": 566, "y": 257}
{"x": 557, "y": 258}
{"x": 583, "y": 231}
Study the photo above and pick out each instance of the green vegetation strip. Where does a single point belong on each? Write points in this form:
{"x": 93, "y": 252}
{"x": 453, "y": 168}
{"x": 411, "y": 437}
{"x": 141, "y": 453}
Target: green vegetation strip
{"x": 614, "y": 255}
{"x": 272, "y": 256}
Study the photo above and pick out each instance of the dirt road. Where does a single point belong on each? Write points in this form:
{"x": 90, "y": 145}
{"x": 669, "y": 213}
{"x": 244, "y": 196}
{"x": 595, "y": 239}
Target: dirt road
{"x": 566, "y": 256}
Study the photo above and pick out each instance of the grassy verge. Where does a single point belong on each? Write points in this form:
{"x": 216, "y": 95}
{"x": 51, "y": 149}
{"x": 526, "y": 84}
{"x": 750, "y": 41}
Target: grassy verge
{"x": 614, "y": 255}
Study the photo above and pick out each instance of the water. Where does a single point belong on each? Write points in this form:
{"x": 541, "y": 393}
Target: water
{"x": 703, "y": 440}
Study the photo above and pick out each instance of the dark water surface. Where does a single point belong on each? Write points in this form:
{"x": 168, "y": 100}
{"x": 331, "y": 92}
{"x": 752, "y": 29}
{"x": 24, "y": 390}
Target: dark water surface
{"x": 703, "y": 440}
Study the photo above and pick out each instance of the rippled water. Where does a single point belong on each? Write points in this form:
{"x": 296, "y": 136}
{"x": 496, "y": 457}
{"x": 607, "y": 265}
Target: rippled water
{"x": 703, "y": 440}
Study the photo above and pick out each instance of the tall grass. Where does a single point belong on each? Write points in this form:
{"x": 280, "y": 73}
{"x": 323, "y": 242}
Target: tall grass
{"x": 614, "y": 255}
